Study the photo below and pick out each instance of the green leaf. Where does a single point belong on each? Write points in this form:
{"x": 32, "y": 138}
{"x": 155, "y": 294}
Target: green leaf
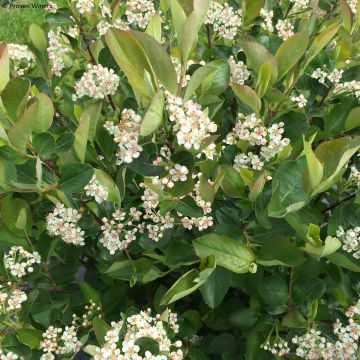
{"x": 315, "y": 169}
{"x": 280, "y": 252}
{"x": 37, "y": 37}
{"x": 15, "y": 96}
{"x": 30, "y": 337}
{"x": 215, "y": 287}
{"x": 291, "y": 51}
{"x": 44, "y": 144}
{"x": 345, "y": 260}
{"x": 331, "y": 245}
{"x": 191, "y": 27}
{"x": 334, "y": 155}
{"x": 147, "y": 344}
{"x": 64, "y": 142}
{"x": 74, "y": 177}
{"x": 159, "y": 60}
{"x": 252, "y": 9}
{"x": 16, "y": 214}
{"x": 154, "y": 27}
{"x": 353, "y": 119}
{"x": 232, "y": 184}
{"x": 257, "y": 55}
{"x": 248, "y": 96}
{"x": 154, "y": 115}
{"x": 100, "y": 329}
{"x": 321, "y": 41}
{"x": 187, "y": 284}
{"x": 273, "y": 290}
{"x": 228, "y": 252}
{"x": 263, "y": 79}
{"x": 10, "y": 239}
{"x": 295, "y": 320}
{"x": 207, "y": 190}
{"x": 288, "y": 191}
{"x": 107, "y": 181}
{"x": 216, "y": 75}
{"x": 19, "y": 134}
{"x": 346, "y": 14}
{"x": 130, "y": 56}
{"x": 90, "y": 293}
{"x": 81, "y": 136}
{"x": 178, "y": 17}
{"x": 4, "y": 66}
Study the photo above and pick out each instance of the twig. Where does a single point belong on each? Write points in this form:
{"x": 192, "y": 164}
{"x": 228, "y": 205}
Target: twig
{"x": 337, "y": 203}
{"x": 209, "y": 36}
{"x": 289, "y": 302}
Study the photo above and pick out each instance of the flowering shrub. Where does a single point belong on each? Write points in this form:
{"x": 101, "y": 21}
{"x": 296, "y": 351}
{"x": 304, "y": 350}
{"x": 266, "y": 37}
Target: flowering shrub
{"x": 180, "y": 180}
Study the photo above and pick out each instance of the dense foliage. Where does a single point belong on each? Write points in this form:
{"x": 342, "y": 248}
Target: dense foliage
{"x": 179, "y": 180}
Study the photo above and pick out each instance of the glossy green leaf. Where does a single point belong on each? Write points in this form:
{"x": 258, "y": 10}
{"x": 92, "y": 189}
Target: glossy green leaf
{"x": 228, "y": 252}
{"x": 291, "y": 51}
{"x": 353, "y": 119}
{"x": 4, "y": 66}
{"x": 154, "y": 115}
{"x": 30, "y": 337}
{"x": 74, "y": 177}
{"x": 248, "y": 96}
{"x": 37, "y": 37}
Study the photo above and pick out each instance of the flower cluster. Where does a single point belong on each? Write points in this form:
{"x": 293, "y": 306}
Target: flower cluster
{"x": 351, "y": 240}
{"x": 267, "y": 25}
{"x": 313, "y": 345}
{"x": 299, "y": 5}
{"x": 239, "y": 72}
{"x": 284, "y": 28}
{"x": 85, "y": 6}
{"x": 299, "y": 100}
{"x": 58, "y": 341}
{"x": 11, "y": 299}
{"x": 322, "y": 75}
{"x": 355, "y": 175}
{"x": 56, "y": 51}
{"x": 192, "y": 125}
{"x": 20, "y": 262}
{"x": 224, "y": 19}
{"x": 139, "y": 12}
{"x": 96, "y": 190}
{"x": 139, "y": 326}
{"x": 278, "y": 346}
{"x": 21, "y": 58}
{"x": 267, "y": 142}
{"x": 97, "y": 82}
{"x": 63, "y": 222}
{"x": 348, "y": 88}
{"x": 9, "y": 356}
{"x": 126, "y": 135}
{"x": 120, "y": 231}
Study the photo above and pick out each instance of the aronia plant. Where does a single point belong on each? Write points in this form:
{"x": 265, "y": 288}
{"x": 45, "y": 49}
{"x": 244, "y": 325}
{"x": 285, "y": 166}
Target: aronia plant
{"x": 179, "y": 179}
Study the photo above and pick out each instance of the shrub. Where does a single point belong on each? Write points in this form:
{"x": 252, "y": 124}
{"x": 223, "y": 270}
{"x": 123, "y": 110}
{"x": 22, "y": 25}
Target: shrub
{"x": 179, "y": 181}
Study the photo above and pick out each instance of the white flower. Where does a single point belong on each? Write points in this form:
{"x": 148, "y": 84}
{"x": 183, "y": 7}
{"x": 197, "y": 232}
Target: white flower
{"x": 126, "y": 135}
{"x": 85, "y": 6}
{"x": 21, "y": 58}
{"x": 284, "y": 28}
{"x": 179, "y": 173}
{"x": 139, "y": 12}
{"x": 191, "y": 124}
{"x": 9, "y": 356}
{"x": 299, "y": 5}
{"x": 300, "y": 100}
{"x": 63, "y": 222}
{"x": 224, "y": 19}
{"x": 267, "y": 141}
{"x": 97, "y": 83}
{"x": 15, "y": 300}
{"x": 267, "y": 25}
{"x": 56, "y": 50}
{"x": 239, "y": 72}
{"x": 353, "y": 5}
{"x": 52, "y": 7}
{"x": 320, "y": 75}
{"x": 96, "y": 190}
{"x": 335, "y": 76}
{"x": 20, "y": 262}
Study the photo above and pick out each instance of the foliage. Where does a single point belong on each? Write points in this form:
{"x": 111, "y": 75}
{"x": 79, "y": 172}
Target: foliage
{"x": 194, "y": 158}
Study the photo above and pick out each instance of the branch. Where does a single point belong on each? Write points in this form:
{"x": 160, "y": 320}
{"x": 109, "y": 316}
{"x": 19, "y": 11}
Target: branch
{"x": 337, "y": 203}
